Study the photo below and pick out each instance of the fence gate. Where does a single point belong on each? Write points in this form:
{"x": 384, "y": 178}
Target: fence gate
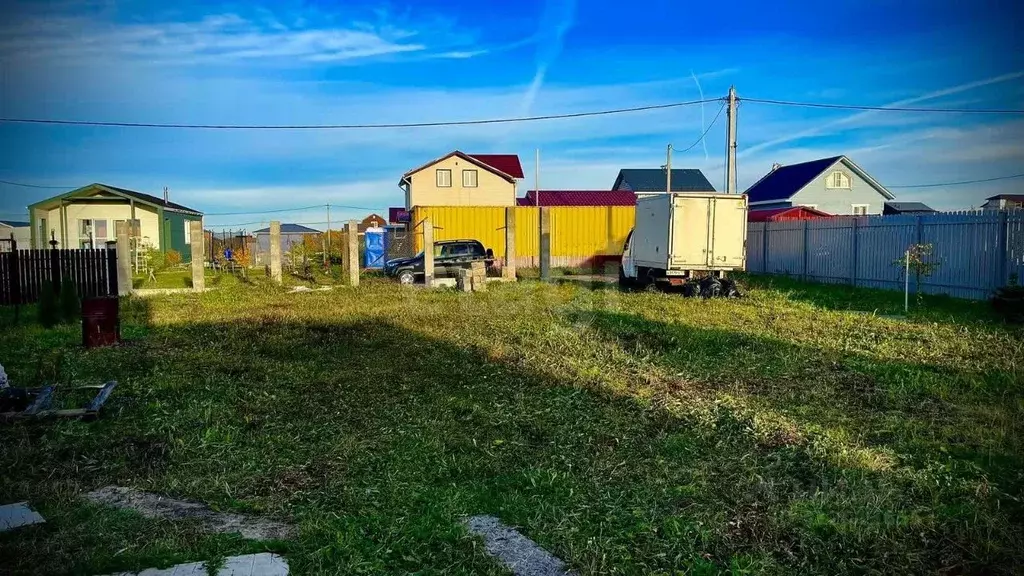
{"x": 24, "y": 272}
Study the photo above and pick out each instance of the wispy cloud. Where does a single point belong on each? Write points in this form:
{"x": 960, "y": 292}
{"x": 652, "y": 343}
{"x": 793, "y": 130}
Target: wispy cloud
{"x": 556, "y": 21}
{"x": 825, "y": 127}
{"x": 223, "y": 39}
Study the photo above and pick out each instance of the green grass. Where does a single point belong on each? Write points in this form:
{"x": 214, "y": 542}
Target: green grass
{"x": 800, "y": 430}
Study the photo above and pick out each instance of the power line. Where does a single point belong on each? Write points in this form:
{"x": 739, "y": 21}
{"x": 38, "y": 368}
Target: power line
{"x": 688, "y": 148}
{"x": 884, "y": 108}
{"x": 37, "y": 186}
{"x": 265, "y": 211}
{"x": 938, "y": 184}
{"x": 353, "y": 126}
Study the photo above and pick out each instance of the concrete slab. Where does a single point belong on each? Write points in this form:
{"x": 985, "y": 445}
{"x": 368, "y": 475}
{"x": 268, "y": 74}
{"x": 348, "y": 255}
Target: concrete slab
{"x": 522, "y": 556}
{"x": 265, "y": 564}
{"x": 156, "y": 506}
{"x": 14, "y": 515}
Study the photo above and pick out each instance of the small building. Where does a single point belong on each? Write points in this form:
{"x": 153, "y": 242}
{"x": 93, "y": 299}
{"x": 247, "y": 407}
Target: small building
{"x": 460, "y": 179}
{"x": 787, "y": 214}
{"x": 578, "y": 198}
{"x": 834, "y": 185}
{"x": 1004, "y": 202}
{"x": 19, "y": 230}
{"x": 902, "y": 208}
{"x": 291, "y": 235}
{"x": 372, "y": 221}
{"x": 87, "y": 217}
{"x": 655, "y": 180}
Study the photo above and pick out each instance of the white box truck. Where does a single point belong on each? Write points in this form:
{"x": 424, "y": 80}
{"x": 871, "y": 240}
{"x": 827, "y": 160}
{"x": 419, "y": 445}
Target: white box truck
{"x": 681, "y": 236}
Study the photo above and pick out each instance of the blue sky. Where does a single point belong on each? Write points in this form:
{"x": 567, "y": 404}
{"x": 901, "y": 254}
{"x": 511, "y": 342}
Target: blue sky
{"x": 374, "y": 62}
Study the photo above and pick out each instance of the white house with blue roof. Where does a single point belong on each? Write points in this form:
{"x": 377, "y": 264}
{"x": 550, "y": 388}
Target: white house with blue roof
{"x": 835, "y": 185}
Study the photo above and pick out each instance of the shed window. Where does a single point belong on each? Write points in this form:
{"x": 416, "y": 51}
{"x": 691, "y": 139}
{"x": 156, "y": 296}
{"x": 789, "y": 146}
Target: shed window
{"x": 838, "y": 179}
{"x": 860, "y": 209}
{"x": 469, "y": 178}
{"x": 444, "y": 178}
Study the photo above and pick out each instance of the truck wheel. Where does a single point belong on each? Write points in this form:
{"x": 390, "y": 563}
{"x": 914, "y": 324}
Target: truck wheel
{"x": 406, "y": 277}
{"x": 650, "y": 282}
{"x": 624, "y": 282}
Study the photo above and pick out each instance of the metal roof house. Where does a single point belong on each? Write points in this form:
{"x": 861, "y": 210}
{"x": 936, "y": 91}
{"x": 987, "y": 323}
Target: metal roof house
{"x": 578, "y": 198}
{"x": 291, "y": 235}
{"x": 654, "y": 180}
{"x": 898, "y": 208}
{"x": 1004, "y": 202}
{"x": 460, "y": 179}
{"x": 835, "y": 185}
{"x": 787, "y": 214}
{"x": 86, "y": 217}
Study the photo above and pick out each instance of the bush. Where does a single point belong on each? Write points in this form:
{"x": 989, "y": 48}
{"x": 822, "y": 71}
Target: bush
{"x": 1008, "y": 302}
{"x": 69, "y": 303}
{"x": 172, "y": 258}
{"x": 49, "y": 314}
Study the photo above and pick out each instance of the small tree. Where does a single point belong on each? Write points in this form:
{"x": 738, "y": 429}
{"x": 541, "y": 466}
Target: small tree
{"x": 920, "y": 266}
{"x": 69, "y": 303}
{"x": 172, "y": 258}
{"x": 49, "y": 314}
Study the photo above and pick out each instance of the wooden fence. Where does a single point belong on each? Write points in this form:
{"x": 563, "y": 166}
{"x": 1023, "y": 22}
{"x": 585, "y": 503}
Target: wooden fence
{"x": 976, "y": 252}
{"x": 23, "y": 273}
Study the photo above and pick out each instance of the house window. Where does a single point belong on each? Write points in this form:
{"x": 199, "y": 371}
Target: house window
{"x": 860, "y": 209}
{"x": 444, "y": 178}
{"x": 188, "y": 232}
{"x": 469, "y": 178}
{"x": 838, "y": 179}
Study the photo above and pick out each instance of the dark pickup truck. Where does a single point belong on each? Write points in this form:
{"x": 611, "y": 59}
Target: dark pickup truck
{"x": 450, "y": 256}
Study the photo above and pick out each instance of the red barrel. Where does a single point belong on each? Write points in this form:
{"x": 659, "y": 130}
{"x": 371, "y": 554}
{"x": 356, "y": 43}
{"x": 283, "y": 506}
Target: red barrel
{"x": 101, "y": 323}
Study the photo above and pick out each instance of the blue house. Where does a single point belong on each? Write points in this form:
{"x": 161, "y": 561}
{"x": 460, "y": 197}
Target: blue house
{"x": 835, "y": 185}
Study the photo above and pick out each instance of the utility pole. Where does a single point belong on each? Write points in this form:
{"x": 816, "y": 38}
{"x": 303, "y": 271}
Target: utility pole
{"x": 668, "y": 169}
{"x": 536, "y": 175}
{"x": 730, "y": 139}
{"x": 327, "y": 248}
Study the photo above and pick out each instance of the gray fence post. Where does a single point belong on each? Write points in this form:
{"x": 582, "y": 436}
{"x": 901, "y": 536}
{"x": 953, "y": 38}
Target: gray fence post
{"x": 806, "y": 222}
{"x": 428, "y": 253}
{"x": 854, "y": 241}
{"x": 275, "y": 251}
{"x": 1003, "y": 251}
{"x": 544, "y": 219}
{"x": 197, "y": 239}
{"x": 124, "y": 259}
{"x": 764, "y": 247}
{"x": 508, "y": 271}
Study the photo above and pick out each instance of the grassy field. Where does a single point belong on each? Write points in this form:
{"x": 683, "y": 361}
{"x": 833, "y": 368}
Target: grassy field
{"x": 801, "y": 430}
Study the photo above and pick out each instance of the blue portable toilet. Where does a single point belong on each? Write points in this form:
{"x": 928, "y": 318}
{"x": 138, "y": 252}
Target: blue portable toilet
{"x": 375, "y": 253}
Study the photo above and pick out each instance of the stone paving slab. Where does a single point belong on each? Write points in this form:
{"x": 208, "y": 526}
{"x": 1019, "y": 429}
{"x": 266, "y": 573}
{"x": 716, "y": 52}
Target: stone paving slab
{"x": 19, "y": 514}
{"x": 265, "y": 564}
{"x": 522, "y": 556}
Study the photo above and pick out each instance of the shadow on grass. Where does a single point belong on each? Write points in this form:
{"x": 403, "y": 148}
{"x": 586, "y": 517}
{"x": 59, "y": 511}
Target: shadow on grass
{"x": 376, "y": 439}
{"x": 884, "y": 302}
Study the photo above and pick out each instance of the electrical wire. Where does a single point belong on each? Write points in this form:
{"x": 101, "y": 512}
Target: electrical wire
{"x": 9, "y": 183}
{"x": 938, "y": 184}
{"x": 254, "y": 212}
{"x": 353, "y": 126}
{"x": 883, "y": 108}
{"x": 699, "y": 140}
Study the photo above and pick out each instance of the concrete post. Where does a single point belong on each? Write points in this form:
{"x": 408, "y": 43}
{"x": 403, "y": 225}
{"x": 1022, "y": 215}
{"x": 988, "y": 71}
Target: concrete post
{"x": 275, "y": 251}
{"x": 508, "y": 271}
{"x": 428, "y": 253}
{"x": 124, "y": 259}
{"x": 352, "y": 252}
{"x": 545, "y": 243}
{"x": 198, "y": 239}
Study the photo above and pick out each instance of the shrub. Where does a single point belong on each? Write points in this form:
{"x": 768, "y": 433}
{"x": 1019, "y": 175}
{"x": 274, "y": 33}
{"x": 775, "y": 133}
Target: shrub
{"x": 172, "y": 258}
{"x": 49, "y": 315}
{"x": 1008, "y": 302}
{"x": 69, "y": 303}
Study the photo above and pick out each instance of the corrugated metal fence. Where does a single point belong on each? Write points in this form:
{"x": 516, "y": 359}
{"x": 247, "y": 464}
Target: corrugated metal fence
{"x": 976, "y": 252}
{"x": 580, "y": 235}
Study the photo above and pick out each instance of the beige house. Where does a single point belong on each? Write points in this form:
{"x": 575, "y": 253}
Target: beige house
{"x": 86, "y": 217}
{"x": 18, "y": 230}
{"x": 460, "y": 179}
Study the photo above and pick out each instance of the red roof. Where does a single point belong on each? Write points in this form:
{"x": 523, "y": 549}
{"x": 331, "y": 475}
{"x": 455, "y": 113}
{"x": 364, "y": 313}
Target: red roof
{"x": 579, "y": 198}
{"x": 507, "y": 163}
{"x": 781, "y": 214}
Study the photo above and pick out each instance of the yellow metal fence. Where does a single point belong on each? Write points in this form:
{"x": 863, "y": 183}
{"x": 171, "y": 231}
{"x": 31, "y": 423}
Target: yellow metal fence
{"x": 580, "y": 235}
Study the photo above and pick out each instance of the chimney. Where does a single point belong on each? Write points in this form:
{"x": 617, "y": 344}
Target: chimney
{"x": 165, "y": 194}
{"x": 775, "y": 167}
